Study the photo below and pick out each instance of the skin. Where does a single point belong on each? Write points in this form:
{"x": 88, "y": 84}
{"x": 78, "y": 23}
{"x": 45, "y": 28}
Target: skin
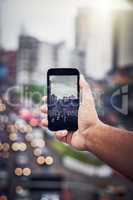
{"x": 113, "y": 145}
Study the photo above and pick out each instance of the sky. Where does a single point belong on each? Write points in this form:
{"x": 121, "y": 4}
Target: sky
{"x": 50, "y": 20}
{"x": 64, "y": 86}
{"x": 54, "y": 21}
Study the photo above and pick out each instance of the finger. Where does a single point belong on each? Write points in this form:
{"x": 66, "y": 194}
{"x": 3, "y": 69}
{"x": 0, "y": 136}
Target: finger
{"x": 44, "y": 109}
{"x": 69, "y": 138}
{"x": 44, "y": 122}
{"x": 83, "y": 82}
{"x": 44, "y": 98}
{"x": 61, "y": 134}
{"x": 64, "y": 136}
{"x": 87, "y": 97}
{"x": 61, "y": 139}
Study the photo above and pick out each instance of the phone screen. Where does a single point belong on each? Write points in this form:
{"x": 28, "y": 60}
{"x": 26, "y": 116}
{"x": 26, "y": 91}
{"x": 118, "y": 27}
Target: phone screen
{"x": 63, "y": 102}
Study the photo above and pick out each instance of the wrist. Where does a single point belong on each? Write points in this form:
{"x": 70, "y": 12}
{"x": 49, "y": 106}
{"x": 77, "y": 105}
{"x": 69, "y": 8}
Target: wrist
{"x": 93, "y": 135}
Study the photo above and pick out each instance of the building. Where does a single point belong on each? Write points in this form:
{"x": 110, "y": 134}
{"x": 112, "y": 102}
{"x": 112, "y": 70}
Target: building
{"x": 64, "y": 56}
{"x": 8, "y": 66}
{"x": 94, "y": 37}
{"x": 105, "y": 37}
{"x": 27, "y": 59}
{"x": 82, "y": 29}
{"x": 78, "y": 60}
{"x": 48, "y": 57}
{"x": 71, "y": 58}
{"x": 34, "y": 58}
{"x": 124, "y": 20}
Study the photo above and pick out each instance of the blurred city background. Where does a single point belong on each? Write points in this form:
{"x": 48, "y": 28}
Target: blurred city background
{"x": 95, "y": 36}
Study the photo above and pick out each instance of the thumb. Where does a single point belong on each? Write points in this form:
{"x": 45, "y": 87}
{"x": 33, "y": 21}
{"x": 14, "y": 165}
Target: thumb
{"x": 86, "y": 92}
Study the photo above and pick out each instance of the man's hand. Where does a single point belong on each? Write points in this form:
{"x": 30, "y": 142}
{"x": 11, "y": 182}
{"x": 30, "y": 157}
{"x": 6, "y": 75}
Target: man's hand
{"x": 112, "y": 145}
{"x": 87, "y": 119}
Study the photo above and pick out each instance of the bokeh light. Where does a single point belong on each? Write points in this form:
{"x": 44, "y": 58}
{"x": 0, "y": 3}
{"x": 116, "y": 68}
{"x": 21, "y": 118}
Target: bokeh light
{"x": 29, "y": 137}
{"x": 2, "y": 107}
{"x": 19, "y": 189}
{"x": 6, "y": 147}
{"x": 18, "y": 171}
{"x": 3, "y": 197}
{"x": 13, "y": 136}
{"x": 26, "y": 171}
{"x": 41, "y": 160}
{"x": 49, "y": 160}
{"x": 37, "y": 152}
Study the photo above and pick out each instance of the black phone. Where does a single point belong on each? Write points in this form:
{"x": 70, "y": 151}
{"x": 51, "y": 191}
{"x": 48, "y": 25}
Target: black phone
{"x": 63, "y": 98}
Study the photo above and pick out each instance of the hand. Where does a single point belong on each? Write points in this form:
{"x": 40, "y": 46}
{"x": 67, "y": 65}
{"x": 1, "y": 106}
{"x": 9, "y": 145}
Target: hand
{"x": 87, "y": 120}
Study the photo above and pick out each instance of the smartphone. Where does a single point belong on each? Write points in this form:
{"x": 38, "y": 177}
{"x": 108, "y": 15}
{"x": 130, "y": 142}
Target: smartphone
{"x": 63, "y": 98}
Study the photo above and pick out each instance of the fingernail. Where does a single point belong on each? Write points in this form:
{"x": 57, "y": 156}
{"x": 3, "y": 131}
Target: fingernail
{"x": 44, "y": 122}
{"x": 41, "y": 108}
{"x": 44, "y": 98}
{"x": 64, "y": 132}
{"x": 82, "y": 77}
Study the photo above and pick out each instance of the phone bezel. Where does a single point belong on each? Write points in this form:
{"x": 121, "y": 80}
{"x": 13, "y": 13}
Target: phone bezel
{"x": 61, "y": 72}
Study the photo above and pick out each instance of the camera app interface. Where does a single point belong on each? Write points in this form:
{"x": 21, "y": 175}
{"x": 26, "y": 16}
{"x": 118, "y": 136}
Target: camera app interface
{"x": 63, "y": 102}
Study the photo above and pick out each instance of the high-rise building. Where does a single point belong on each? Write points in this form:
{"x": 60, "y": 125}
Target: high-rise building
{"x": 64, "y": 56}
{"x": 106, "y": 38}
{"x": 78, "y": 60}
{"x": 82, "y": 29}
{"x": 47, "y": 58}
{"x": 0, "y": 24}
{"x": 27, "y": 58}
{"x": 125, "y": 41}
{"x": 94, "y": 37}
{"x": 71, "y": 58}
{"x": 34, "y": 58}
